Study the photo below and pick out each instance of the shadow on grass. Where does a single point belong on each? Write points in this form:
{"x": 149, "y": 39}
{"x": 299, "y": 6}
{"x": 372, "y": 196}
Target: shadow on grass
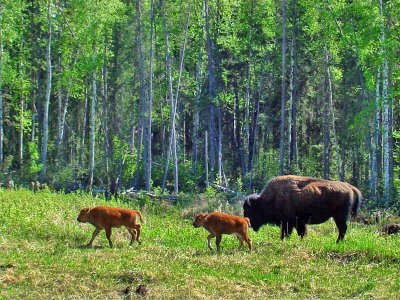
{"x": 90, "y": 247}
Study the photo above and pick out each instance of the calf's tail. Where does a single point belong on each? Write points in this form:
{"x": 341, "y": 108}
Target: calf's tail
{"x": 140, "y": 217}
{"x": 248, "y": 221}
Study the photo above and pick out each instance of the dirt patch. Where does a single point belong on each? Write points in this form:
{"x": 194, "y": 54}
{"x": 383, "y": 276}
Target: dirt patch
{"x": 6, "y": 266}
{"x": 344, "y": 257}
{"x": 141, "y": 290}
{"x": 134, "y": 282}
{"x": 130, "y": 277}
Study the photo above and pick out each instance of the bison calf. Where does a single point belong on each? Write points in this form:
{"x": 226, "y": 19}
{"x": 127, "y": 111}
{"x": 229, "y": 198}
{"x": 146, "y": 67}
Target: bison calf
{"x": 105, "y": 217}
{"x": 218, "y": 223}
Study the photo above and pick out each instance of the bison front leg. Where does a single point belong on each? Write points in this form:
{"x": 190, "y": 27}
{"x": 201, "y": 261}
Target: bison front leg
{"x": 94, "y": 234}
{"x": 108, "y": 235}
{"x": 286, "y": 229}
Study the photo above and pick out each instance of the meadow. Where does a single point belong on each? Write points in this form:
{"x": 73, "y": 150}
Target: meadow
{"x": 42, "y": 256}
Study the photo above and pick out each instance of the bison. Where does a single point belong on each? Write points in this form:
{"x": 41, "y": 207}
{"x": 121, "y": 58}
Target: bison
{"x": 294, "y": 201}
{"x": 391, "y": 228}
{"x": 218, "y": 223}
{"x": 106, "y": 217}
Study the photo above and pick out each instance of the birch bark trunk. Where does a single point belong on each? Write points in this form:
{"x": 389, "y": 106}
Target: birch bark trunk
{"x": 47, "y": 99}
{"x": 283, "y": 92}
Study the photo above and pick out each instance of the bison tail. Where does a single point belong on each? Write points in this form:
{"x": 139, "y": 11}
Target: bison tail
{"x": 248, "y": 221}
{"x": 357, "y": 202}
{"x": 140, "y": 217}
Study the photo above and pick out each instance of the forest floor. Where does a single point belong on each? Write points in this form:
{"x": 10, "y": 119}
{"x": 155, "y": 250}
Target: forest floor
{"x": 42, "y": 257}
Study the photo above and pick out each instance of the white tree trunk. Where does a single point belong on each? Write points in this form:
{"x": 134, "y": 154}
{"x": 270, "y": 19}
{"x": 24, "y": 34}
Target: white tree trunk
{"x": 1, "y": 89}
{"x": 173, "y": 105}
{"x": 92, "y": 123}
{"x": 148, "y": 159}
{"x": 283, "y": 93}
{"x": 387, "y": 151}
{"x": 47, "y": 99}
{"x": 85, "y": 113}
{"x": 211, "y": 89}
{"x": 375, "y": 141}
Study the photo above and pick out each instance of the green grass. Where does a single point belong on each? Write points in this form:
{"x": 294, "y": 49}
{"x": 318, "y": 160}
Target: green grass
{"x": 41, "y": 257}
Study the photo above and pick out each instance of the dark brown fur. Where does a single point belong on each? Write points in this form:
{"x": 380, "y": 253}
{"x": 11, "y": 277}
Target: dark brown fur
{"x": 106, "y": 217}
{"x": 294, "y": 201}
{"x": 391, "y": 228}
{"x": 218, "y": 223}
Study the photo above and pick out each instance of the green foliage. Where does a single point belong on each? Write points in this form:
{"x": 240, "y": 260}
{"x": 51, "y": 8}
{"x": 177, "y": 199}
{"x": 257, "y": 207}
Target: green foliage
{"x": 34, "y": 160}
{"x": 125, "y": 157}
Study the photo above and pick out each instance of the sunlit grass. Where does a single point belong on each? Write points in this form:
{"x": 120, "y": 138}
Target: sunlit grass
{"x": 41, "y": 257}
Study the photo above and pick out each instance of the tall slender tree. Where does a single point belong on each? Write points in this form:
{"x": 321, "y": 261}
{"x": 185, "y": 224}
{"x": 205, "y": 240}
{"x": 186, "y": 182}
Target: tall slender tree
{"x": 283, "y": 92}
{"x": 48, "y": 94}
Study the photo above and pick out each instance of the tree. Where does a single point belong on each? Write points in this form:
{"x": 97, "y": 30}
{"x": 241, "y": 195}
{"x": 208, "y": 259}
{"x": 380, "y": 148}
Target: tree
{"x": 283, "y": 92}
{"x": 48, "y": 94}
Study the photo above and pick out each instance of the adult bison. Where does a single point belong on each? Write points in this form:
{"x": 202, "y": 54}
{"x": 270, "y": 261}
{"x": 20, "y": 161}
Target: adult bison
{"x": 294, "y": 201}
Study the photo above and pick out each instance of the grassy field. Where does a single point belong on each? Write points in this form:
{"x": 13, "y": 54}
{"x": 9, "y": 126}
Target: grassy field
{"x": 41, "y": 257}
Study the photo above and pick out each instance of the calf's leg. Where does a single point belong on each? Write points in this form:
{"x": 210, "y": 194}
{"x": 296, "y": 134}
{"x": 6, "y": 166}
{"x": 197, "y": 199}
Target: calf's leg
{"x": 94, "y": 234}
{"x": 132, "y": 231}
{"x": 137, "y": 228}
{"x": 247, "y": 240}
{"x": 240, "y": 238}
{"x": 209, "y": 237}
{"x": 108, "y": 235}
{"x": 218, "y": 241}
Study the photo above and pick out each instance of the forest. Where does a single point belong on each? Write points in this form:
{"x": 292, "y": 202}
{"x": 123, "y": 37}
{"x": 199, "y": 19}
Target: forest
{"x": 186, "y": 96}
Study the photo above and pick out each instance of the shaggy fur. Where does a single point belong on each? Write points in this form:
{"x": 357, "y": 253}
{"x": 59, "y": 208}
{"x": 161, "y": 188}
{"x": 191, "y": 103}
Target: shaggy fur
{"x": 391, "y": 228}
{"x": 294, "y": 201}
{"x": 106, "y": 217}
{"x": 218, "y": 223}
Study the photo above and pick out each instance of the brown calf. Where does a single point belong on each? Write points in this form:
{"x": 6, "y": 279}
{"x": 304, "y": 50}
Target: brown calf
{"x": 106, "y": 217}
{"x": 218, "y": 223}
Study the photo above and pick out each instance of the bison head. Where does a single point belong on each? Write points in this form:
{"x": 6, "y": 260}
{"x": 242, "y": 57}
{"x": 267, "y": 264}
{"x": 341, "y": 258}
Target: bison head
{"x": 253, "y": 209}
{"x": 199, "y": 221}
{"x": 83, "y": 215}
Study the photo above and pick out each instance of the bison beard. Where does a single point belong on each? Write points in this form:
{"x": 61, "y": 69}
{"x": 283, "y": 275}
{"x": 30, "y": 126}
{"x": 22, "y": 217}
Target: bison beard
{"x": 294, "y": 201}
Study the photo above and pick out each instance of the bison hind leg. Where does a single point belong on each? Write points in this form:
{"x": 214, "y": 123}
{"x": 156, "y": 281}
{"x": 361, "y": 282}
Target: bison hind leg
{"x": 341, "y": 223}
{"x": 301, "y": 229}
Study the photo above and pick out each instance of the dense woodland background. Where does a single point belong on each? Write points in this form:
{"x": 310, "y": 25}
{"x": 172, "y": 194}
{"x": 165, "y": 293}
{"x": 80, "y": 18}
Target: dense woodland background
{"x": 177, "y": 95}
